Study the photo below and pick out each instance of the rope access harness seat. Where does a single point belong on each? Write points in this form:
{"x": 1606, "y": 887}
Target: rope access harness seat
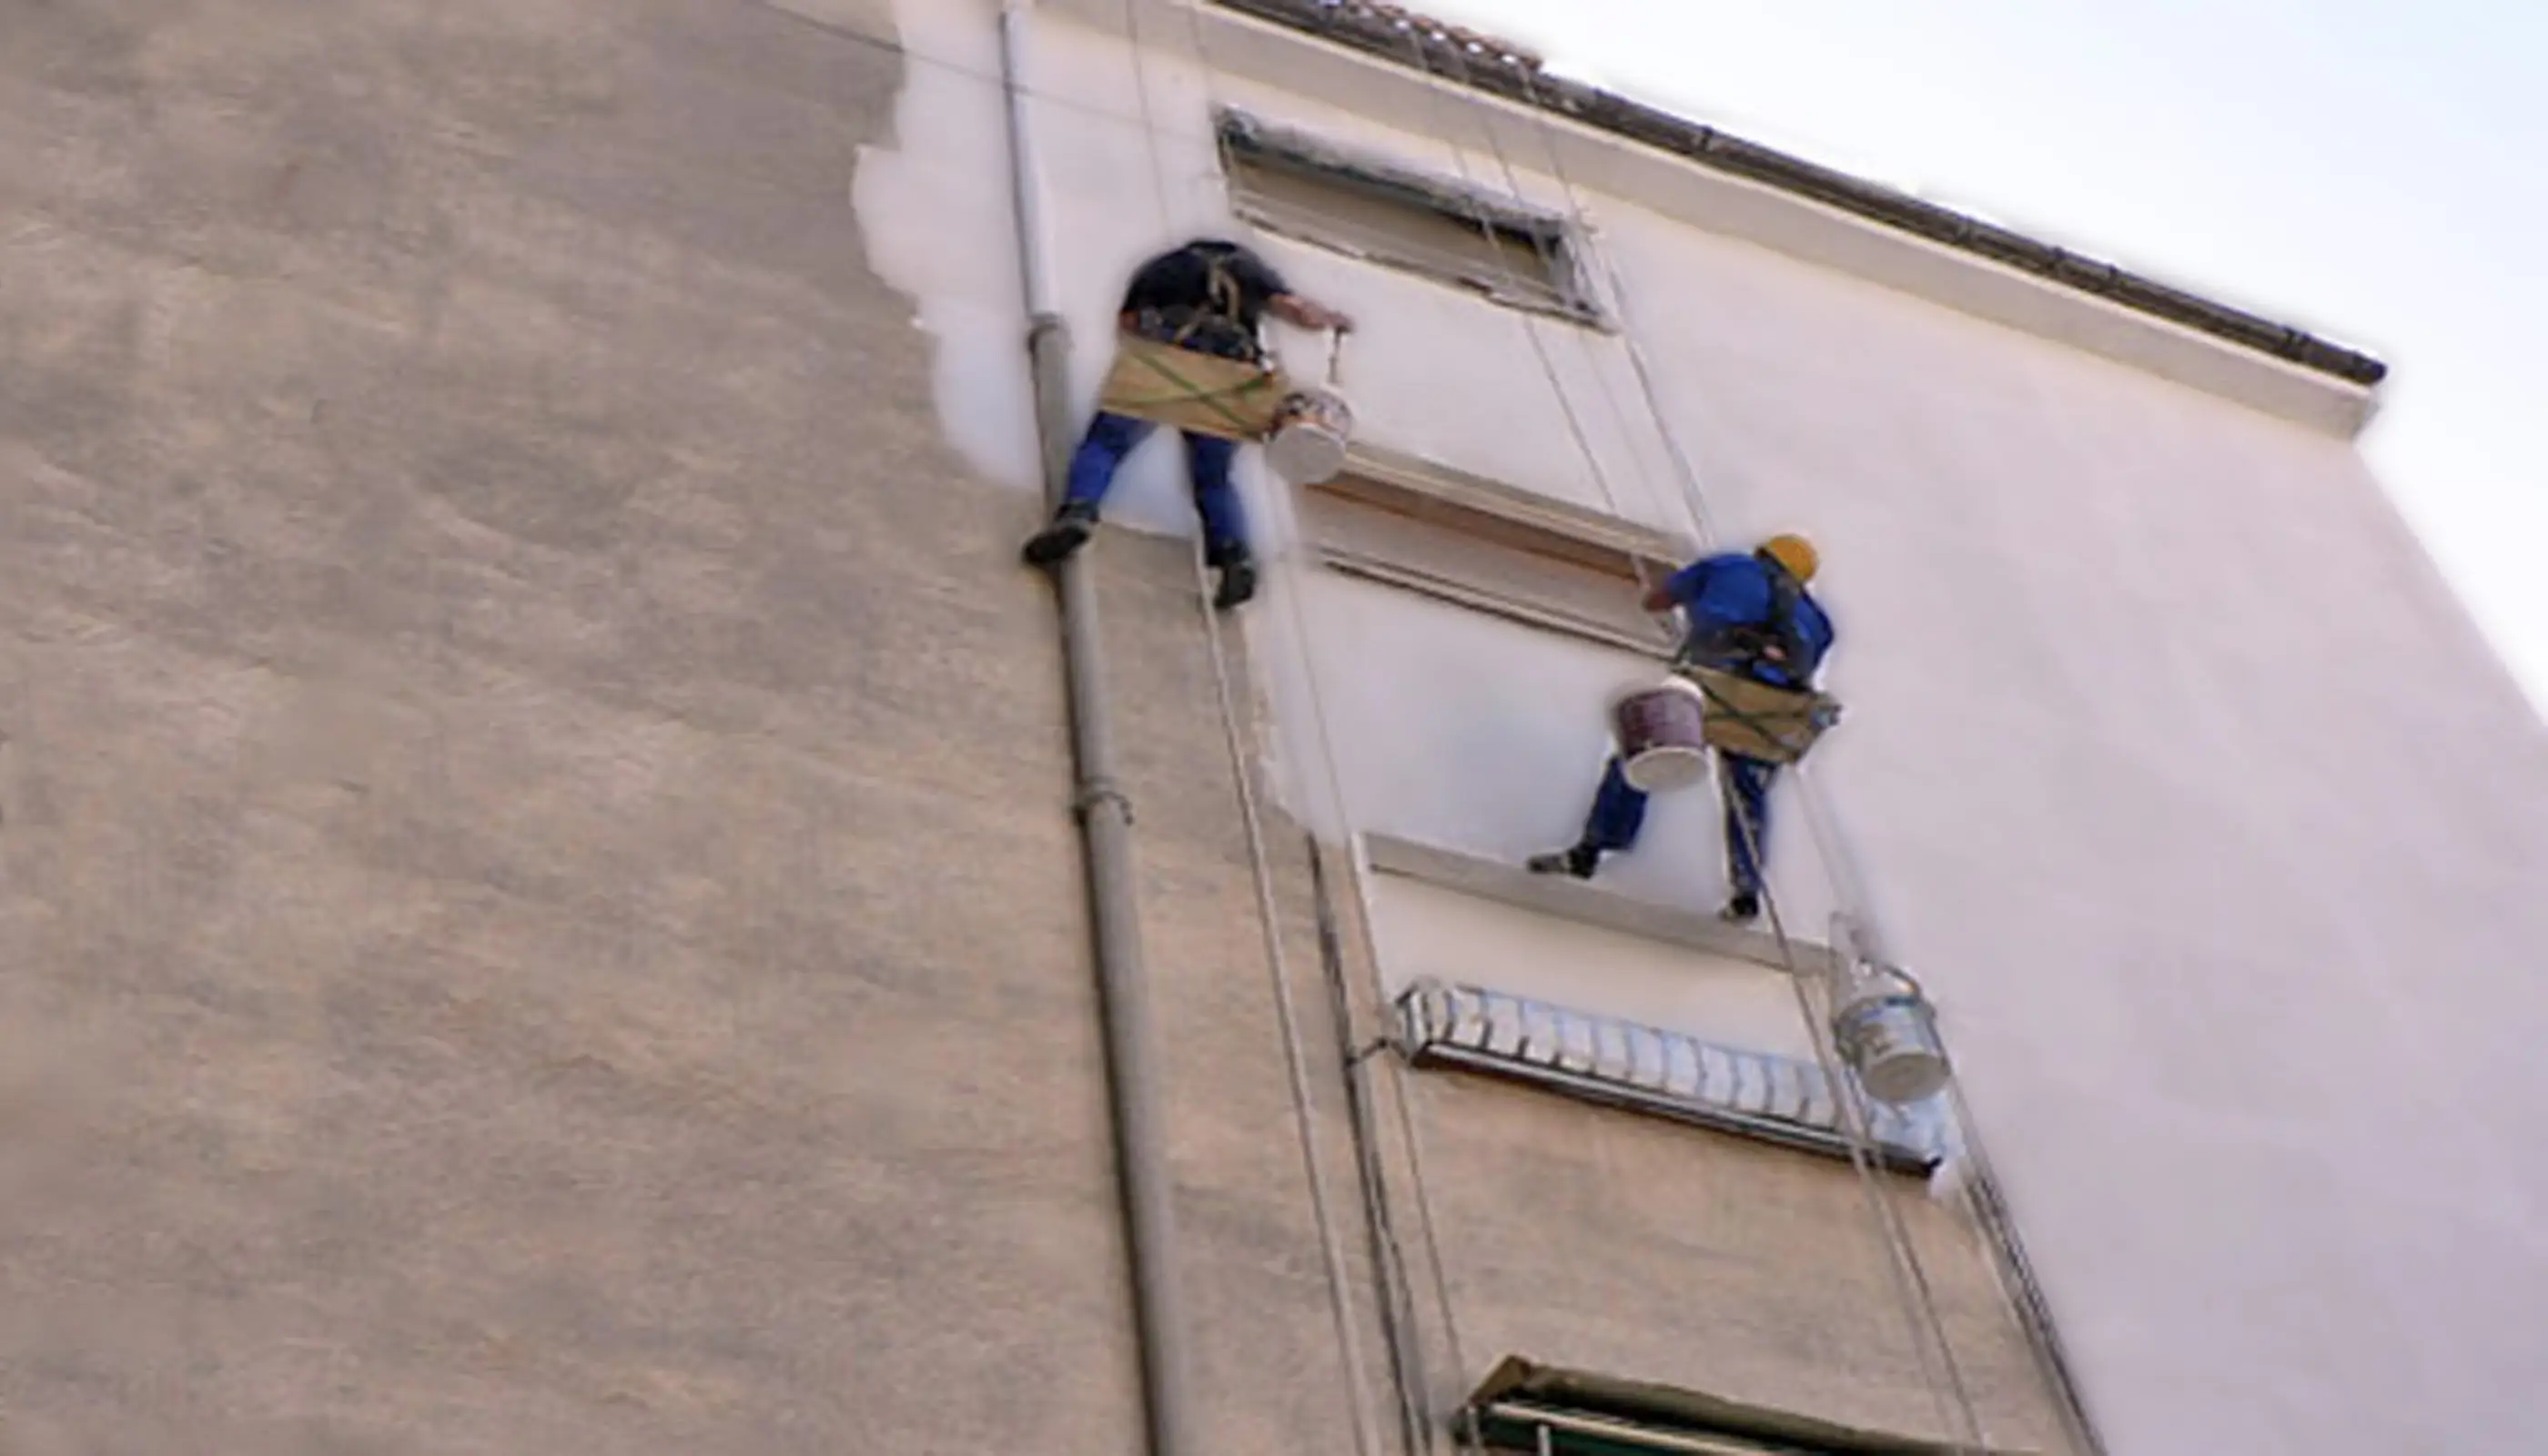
{"x": 1161, "y": 381}
{"x": 1741, "y": 715}
{"x": 1156, "y": 377}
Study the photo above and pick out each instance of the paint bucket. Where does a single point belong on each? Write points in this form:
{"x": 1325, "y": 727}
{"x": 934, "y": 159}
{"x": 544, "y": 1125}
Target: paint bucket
{"x": 1889, "y": 1035}
{"x": 1312, "y": 430}
{"x": 1663, "y": 736}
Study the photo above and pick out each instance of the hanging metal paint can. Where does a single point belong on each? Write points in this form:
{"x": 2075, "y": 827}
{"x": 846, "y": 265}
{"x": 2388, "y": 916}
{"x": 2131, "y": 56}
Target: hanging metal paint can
{"x": 1311, "y": 432}
{"x": 1888, "y": 1033}
{"x": 1313, "y": 427}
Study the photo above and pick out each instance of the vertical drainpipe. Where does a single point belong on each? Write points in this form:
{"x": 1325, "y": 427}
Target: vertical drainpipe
{"x": 1105, "y": 817}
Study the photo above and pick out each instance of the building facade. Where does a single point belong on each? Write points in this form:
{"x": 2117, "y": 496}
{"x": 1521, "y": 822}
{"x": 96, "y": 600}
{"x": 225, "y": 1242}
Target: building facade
{"x": 557, "y": 891}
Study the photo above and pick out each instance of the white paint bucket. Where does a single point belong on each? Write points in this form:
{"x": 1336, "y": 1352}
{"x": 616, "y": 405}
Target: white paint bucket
{"x": 1888, "y": 1037}
{"x": 1311, "y": 434}
{"x": 1663, "y": 735}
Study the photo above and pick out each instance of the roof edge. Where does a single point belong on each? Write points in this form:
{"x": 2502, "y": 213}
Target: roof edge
{"x": 1503, "y": 70}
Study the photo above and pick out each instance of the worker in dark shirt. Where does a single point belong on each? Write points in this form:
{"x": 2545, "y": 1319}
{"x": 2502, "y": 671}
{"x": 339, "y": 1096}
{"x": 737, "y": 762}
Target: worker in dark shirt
{"x": 1211, "y": 297}
{"x": 1748, "y": 615}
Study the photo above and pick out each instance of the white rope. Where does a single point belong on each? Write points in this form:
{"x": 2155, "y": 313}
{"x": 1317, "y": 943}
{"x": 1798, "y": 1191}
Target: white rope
{"x": 1979, "y": 1192}
{"x": 1432, "y": 1238}
{"x": 1529, "y": 323}
{"x": 1303, "y": 643}
{"x": 1150, "y": 124}
{"x": 1550, "y": 257}
{"x": 1332, "y": 781}
{"x": 1278, "y": 969}
{"x": 1911, "y": 1278}
{"x": 1911, "y": 1281}
{"x": 1911, "y": 1285}
{"x": 1429, "y": 1230}
{"x": 1693, "y": 497}
{"x": 1268, "y": 911}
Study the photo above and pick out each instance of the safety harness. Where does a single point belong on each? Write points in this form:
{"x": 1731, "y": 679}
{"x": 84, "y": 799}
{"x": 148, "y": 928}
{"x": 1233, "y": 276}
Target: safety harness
{"x": 1772, "y": 642}
{"x": 1224, "y": 302}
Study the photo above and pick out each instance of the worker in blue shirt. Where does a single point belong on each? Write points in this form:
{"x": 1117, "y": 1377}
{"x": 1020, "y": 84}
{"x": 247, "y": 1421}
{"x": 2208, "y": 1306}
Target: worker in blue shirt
{"x": 1748, "y": 615}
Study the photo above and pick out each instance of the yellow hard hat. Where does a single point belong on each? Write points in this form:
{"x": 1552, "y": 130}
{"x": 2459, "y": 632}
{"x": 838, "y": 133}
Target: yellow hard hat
{"x": 1795, "y": 553}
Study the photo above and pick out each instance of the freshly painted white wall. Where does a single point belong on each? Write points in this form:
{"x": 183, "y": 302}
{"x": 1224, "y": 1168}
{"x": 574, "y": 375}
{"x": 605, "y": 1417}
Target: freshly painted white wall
{"x": 1427, "y": 931}
{"x": 2176, "y": 772}
{"x": 1472, "y": 732}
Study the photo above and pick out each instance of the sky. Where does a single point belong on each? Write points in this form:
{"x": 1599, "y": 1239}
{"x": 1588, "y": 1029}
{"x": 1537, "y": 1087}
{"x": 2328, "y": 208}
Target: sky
{"x": 2375, "y": 171}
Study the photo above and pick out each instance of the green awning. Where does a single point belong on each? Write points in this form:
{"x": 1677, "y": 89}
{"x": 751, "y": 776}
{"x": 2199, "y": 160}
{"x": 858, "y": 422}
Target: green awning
{"x": 1602, "y": 1416}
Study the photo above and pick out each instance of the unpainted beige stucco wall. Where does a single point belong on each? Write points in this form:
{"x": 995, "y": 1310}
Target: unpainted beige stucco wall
{"x": 514, "y": 720}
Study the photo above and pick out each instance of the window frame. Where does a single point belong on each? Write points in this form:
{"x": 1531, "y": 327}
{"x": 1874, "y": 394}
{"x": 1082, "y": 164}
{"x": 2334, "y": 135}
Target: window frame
{"x": 1565, "y": 290}
{"x": 1484, "y": 542}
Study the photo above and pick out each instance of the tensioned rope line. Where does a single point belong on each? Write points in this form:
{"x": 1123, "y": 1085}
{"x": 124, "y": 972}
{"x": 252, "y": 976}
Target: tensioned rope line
{"x": 1917, "y": 1296}
{"x": 1939, "y": 1370}
{"x": 2044, "y": 1344}
{"x": 1915, "y": 1305}
{"x": 1910, "y": 1285}
{"x": 1910, "y": 1276}
{"x": 1304, "y": 649}
{"x": 1693, "y": 498}
{"x": 1268, "y": 914}
{"x": 1550, "y": 254}
{"x": 1977, "y": 1194}
{"x": 1428, "y": 1226}
{"x": 1495, "y": 244}
{"x": 1841, "y": 871}
{"x": 1911, "y": 1279}
{"x": 1278, "y": 968}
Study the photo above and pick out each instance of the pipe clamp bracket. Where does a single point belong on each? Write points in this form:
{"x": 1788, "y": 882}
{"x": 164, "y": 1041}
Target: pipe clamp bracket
{"x": 1098, "y": 791}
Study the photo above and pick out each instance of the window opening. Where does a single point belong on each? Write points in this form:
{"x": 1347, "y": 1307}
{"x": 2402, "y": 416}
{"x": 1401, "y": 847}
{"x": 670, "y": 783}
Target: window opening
{"x": 1304, "y": 187}
{"x": 1480, "y": 544}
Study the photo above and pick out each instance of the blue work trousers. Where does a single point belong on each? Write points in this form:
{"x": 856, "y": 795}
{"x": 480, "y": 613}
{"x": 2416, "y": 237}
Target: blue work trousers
{"x": 1620, "y": 814}
{"x": 1111, "y": 438}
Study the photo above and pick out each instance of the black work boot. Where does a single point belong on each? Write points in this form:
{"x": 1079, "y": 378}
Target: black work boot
{"x": 1238, "y": 579}
{"x": 1580, "y": 860}
{"x": 1742, "y": 907}
{"x": 1070, "y": 529}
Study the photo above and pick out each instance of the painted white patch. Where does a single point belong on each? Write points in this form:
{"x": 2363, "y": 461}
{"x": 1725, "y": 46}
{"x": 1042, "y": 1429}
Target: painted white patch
{"x": 1427, "y": 931}
{"x": 935, "y": 215}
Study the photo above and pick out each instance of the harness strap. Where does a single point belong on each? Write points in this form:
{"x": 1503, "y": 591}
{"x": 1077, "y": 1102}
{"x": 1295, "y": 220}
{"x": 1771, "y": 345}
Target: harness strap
{"x": 1774, "y": 642}
{"x": 1223, "y": 300}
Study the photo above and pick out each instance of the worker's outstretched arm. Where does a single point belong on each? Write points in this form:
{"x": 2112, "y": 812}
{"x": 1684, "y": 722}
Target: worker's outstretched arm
{"x": 1685, "y": 588}
{"x": 1291, "y": 308}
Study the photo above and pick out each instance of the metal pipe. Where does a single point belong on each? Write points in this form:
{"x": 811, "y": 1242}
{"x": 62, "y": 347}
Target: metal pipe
{"x": 1105, "y": 817}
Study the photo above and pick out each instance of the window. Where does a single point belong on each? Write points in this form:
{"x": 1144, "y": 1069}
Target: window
{"x": 1428, "y": 528}
{"x": 1304, "y": 186}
